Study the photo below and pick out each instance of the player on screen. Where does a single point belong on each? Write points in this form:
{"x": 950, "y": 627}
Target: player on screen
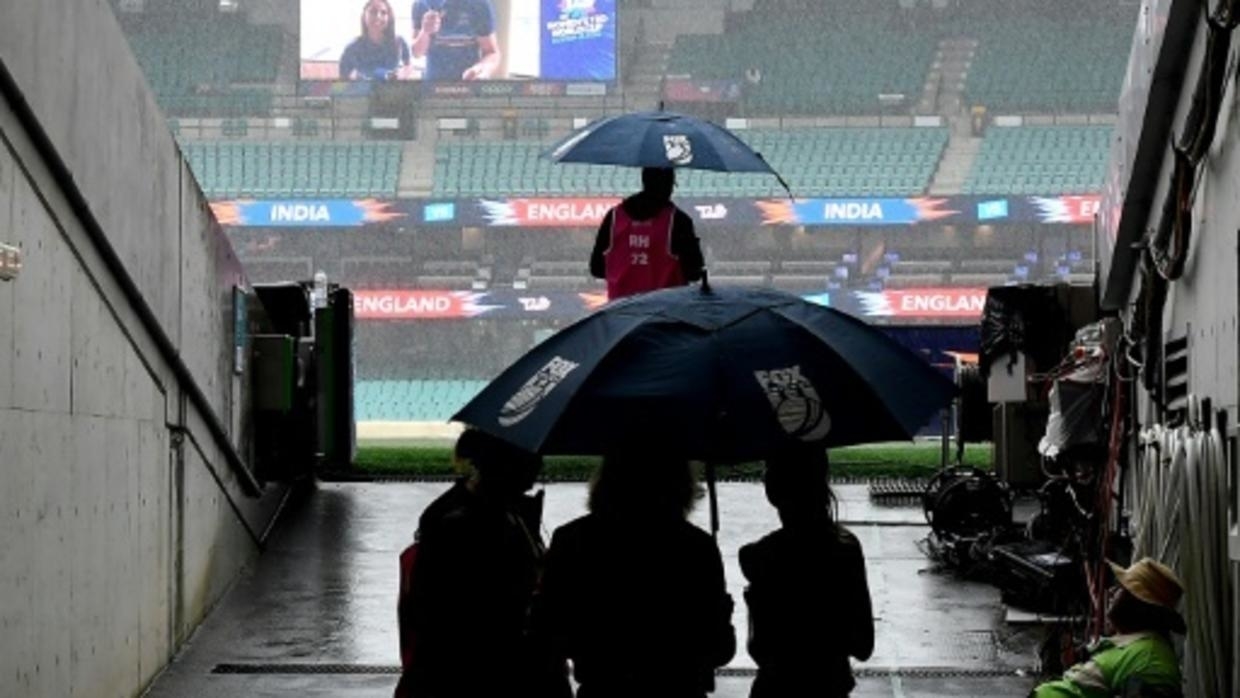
{"x": 377, "y": 54}
{"x": 458, "y": 39}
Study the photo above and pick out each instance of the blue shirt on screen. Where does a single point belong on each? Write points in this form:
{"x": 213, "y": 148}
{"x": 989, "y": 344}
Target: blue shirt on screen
{"x": 372, "y": 61}
{"x": 455, "y": 48}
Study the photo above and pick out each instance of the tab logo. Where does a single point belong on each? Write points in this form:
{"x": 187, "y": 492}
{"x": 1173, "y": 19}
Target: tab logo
{"x": 712, "y": 212}
{"x": 535, "y": 305}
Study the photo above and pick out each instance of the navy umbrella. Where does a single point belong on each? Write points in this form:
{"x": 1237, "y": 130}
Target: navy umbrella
{"x": 660, "y": 139}
{"x": 721, "y": 375}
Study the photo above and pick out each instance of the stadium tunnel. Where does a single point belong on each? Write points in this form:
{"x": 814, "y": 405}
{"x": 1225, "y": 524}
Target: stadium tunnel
{"x": 153, "y": 403}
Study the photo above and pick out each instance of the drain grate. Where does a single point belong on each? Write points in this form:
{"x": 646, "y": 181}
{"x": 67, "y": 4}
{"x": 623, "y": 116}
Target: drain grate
{"x": 726, "y": 672}
{"x": 306, "y": 669}
{"x": 879, "y": 485}
{"x": 938, "y": 672}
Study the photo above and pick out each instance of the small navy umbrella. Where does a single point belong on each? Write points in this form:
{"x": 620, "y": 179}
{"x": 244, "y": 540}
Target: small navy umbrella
{"x": 660, "y": 139}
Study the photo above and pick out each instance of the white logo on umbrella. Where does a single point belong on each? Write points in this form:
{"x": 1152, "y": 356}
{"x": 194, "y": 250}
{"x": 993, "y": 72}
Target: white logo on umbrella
{"x": 523, "y": 402}
{"x": 795, "y": 402}
{"x": 679, "y": 149}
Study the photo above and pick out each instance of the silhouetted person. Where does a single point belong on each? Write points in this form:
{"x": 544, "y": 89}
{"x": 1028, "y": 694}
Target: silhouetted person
{"x": 1137, "y": 658}
{"x": 809, "y": 603}
{"x": 480, "y": 554}
{"x": 646, "y": 242}
{"x": 633, "y": 593}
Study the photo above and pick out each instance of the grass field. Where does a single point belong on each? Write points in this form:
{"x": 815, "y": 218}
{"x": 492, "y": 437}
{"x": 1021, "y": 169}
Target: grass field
{"x": 896, "y": 460}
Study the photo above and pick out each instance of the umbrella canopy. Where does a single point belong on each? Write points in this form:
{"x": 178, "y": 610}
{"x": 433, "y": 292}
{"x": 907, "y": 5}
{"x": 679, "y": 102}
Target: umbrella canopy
{"x": 723, "y": 375}
{"x": 659, "y": 139}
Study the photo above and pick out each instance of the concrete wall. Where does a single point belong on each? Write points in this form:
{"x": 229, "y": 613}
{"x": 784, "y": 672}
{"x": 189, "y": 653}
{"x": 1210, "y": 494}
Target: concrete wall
{"x": 121, "y": 521}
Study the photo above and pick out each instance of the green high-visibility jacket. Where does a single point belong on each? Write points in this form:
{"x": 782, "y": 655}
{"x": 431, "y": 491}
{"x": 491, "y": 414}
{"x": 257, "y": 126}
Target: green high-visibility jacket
{"x": 1113, "y": 663}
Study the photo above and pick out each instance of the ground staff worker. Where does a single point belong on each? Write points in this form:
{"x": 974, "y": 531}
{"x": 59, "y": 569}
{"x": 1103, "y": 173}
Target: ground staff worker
{"x": 646, "y": 242}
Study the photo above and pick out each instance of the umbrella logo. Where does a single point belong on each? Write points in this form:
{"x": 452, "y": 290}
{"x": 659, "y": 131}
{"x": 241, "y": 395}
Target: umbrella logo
{"x": 528, "y": 397}
{"x": 679, "y": 149}
{"x": 795, "y": 402}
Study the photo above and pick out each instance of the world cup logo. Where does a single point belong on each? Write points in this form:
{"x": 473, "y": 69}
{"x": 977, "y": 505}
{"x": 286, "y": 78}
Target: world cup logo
{"x": 795, "y": 401}
{"x": 678, "y": 148}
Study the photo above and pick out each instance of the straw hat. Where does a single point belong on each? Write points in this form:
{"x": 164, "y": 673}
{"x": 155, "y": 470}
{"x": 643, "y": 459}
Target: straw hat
{"x": 1154, "y": 583}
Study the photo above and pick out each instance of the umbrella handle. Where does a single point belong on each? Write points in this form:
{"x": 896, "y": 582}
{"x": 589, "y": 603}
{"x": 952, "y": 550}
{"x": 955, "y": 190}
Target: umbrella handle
{"x": 714, "y": 499}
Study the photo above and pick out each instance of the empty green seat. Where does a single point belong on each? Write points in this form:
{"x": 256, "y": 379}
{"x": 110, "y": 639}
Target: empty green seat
{"x": 1040, "y": 160}
{"x": 815, "y": 162}
{"x": 295, "y": 169}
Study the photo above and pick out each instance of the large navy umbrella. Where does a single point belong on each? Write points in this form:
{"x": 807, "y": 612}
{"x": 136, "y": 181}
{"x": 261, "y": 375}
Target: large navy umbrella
{"x": 722, "y": 375}
{"x": 660, "y": 139}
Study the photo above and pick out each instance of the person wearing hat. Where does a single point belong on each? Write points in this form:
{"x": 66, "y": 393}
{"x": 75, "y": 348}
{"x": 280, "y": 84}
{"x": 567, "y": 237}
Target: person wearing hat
{"x": 1142, "y": 613}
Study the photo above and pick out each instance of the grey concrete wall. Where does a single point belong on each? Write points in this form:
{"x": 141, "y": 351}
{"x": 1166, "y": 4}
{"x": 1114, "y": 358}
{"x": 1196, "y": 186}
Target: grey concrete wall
{"x": 121, "y": 522}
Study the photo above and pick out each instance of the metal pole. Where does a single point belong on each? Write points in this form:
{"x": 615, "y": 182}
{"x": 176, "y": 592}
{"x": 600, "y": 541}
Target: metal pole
{"x": 945, "y": 418}
{"x": 714, "y": 499}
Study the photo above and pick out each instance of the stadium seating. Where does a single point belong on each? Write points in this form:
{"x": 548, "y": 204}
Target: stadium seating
{"x": 1040, "y": 160}
{"x": 412, "y": 400}
{"x": 278, "y": 269}
{"x": 192, "y": 69}
{"x": 264, "y": 170}
{"x": 811, "y": 63}
{"x": 816, "y": 162}
{"x": 1035, "y": 64}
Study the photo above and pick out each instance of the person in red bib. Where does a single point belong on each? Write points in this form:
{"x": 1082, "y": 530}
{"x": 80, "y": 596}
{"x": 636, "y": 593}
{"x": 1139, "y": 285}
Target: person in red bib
{"x": 646, "y": 242}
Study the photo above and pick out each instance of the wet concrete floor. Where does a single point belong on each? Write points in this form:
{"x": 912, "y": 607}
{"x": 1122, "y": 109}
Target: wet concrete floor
{"x": 316, "y": 614}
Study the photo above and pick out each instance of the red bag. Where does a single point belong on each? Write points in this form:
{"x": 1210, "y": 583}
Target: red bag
{"x": 404, "y": 605}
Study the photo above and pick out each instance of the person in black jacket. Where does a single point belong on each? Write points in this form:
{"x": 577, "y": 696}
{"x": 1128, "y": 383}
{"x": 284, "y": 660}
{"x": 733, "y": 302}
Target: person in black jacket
{"x": 633, "y": 593}
{"x": 480, "y": 555}
{"x": 646, "y": 242}
{"x": 809, "y": 602}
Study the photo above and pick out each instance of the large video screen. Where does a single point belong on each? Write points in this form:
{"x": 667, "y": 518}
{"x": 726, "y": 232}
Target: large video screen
{"x": 458, "y": 40}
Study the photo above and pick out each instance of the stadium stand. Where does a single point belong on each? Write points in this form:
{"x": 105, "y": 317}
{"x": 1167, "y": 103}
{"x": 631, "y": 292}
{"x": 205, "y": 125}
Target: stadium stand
{"x": 813, "y": 62}
{"x": 270, "y": 269}
{"x": 421, "y": 400}
{"x": 1038, "y": 64}
{"x": 811, "y": 73}
{"x": 548, "y": 274}
{"x": 816, "y": 162}
{"x": 196, "y": 69}
{"x": 830, "y": 58}
{"x": 386, "y": 271}
{"x": 228, "y": 170}
{"x": 1040, "y": 160}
